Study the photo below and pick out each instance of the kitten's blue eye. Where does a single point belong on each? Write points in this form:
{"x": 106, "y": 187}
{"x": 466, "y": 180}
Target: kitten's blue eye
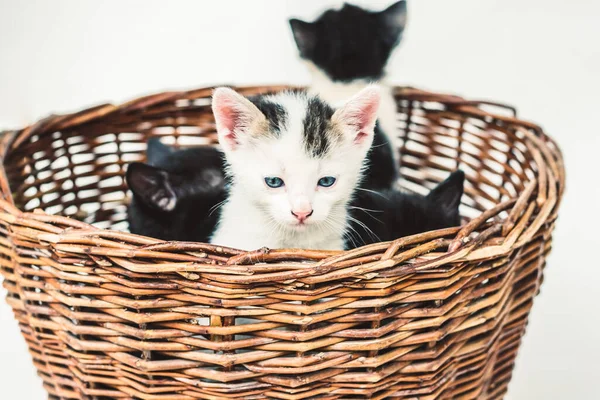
{"x": 274, "y": 182}
{"x": 326, "y": 181}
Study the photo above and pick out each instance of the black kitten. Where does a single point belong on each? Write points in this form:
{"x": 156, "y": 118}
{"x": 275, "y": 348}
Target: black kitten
{"x": 347, "y": 49}
{"x": 351, "y": 43}
{"x": 176, "y": 196}
{"x": 385, "y": 216}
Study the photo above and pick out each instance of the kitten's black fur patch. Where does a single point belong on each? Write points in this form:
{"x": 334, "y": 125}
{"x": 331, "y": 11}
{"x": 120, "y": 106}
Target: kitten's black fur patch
{"x": 156, "y": 151}
{"x": 391, "y": 214}
{"x": 174, "y": 198}
{"x": 275, "y": 113}
{"x": 382, "y": 171}
{"x": 315, "y": 127}
{"x": 351, "y": 43}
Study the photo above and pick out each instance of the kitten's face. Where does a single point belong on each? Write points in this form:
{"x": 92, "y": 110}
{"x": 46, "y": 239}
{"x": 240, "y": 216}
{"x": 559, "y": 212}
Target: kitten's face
{"x": 293, "y": 157}
{"x": 283, "y": 179}
{"x": 351, "y": 43}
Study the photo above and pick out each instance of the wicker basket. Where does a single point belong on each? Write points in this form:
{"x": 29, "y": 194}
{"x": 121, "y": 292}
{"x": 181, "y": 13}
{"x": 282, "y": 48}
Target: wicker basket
{"x": 107, "y": 314}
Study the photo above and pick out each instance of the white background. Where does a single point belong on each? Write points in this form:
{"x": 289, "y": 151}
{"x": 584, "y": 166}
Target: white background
{"x": 541, "y": 56}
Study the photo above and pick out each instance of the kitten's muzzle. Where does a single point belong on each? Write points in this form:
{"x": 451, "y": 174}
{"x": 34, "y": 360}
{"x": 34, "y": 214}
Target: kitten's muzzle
{"x": 301, "y": 216}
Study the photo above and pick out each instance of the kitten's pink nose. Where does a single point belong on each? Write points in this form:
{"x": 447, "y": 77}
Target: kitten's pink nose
{"x": 302, "y": 215}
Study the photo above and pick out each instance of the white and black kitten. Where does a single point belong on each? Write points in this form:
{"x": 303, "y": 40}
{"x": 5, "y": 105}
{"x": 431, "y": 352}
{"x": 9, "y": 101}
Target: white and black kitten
{"x": 346, "y": 50}
{"x": 294, "y": 164}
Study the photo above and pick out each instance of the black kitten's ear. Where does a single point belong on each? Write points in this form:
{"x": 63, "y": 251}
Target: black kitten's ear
{"x": 152, "y": 185}
{"x": 448, "y": 193}
{"x": 304, "y": 35}
{"x": 394, "y": 19}
{"x": 156, "y": 150}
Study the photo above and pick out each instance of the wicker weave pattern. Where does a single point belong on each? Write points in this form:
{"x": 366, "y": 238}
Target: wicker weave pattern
{"x": 107, "y": 314}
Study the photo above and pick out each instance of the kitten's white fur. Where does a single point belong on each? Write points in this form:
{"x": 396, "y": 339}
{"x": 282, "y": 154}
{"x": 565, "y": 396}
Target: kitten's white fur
{"x": 256, "y": 215}
{"x": 336, "y": 93}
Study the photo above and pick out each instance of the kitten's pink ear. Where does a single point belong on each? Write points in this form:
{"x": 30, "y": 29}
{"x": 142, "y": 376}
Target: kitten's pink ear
{"x": 234, "y": 116}
{"x": 360, "y": 114}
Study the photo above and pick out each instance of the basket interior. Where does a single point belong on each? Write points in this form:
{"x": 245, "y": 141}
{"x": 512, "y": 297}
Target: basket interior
{"x": 77, "y": 170}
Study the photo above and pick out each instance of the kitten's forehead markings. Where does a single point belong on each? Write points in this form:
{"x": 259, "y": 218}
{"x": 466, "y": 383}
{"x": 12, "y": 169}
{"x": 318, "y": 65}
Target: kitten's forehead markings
{"x": 275, "y": 114}
{"x": 317, "y": 127}
{"x": 309, "y": 119}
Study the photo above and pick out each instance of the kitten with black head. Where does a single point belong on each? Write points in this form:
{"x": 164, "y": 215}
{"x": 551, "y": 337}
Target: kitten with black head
{"x": 389, "y": 215}
{"x": 346, "y": 50}
{"x": 176, "y": 196}
{"x": 294, "y": 163}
